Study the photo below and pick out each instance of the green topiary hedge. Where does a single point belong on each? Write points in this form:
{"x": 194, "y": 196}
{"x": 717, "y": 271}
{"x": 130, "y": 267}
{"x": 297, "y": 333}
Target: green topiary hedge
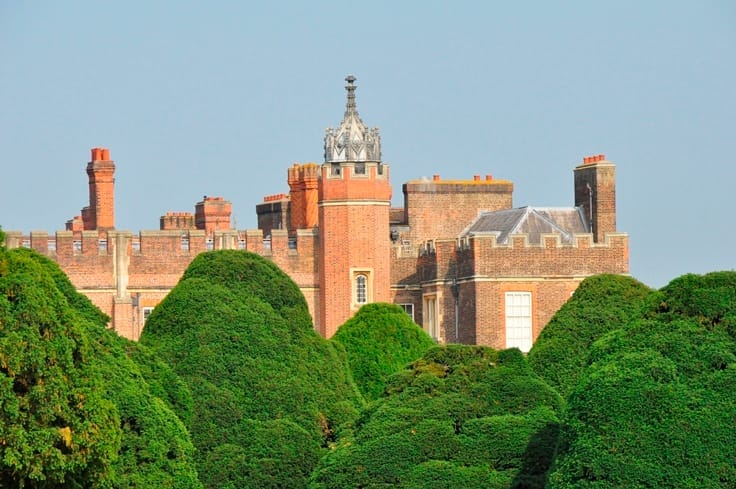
{"x": 655, "y": 407}
{"x": 238, "y": 332}
{"x": 601, "y": 304}
{"x": 459, "y": 415}
{"x": 380, "y": 339}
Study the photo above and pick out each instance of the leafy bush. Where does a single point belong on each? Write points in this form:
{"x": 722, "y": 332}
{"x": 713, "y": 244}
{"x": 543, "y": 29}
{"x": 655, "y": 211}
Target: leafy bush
{"x": 655, "y": 407}
{"x": 143, "y": 442}
{"x": 238, "y": 332}
{"x": 601, "y": 304}
{"x": 458, "y": 416}
{"x": 56, "y": 426}
{"x": 380, "y": 339}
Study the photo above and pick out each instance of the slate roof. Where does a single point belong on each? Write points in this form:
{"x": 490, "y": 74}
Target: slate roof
{"x": 532, "y": 221}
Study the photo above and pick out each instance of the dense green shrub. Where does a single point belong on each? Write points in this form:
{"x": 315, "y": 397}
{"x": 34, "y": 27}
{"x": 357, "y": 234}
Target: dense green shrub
{"x": 655, "y": 407}
{"x": 56, "y": 426}
{"x": 145, "y": 443}
{"x": 380, "y": 339}
{"x": 459, "y": 416}
{"x": 600, "y": 304}
{"x": 238, "y": 332}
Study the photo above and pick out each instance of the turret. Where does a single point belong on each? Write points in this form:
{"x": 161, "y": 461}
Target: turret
{"x": 354, "y": 204}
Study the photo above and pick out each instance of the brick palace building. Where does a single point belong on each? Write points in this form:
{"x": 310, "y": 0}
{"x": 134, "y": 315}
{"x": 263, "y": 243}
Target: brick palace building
{"x": 458, "y": 257}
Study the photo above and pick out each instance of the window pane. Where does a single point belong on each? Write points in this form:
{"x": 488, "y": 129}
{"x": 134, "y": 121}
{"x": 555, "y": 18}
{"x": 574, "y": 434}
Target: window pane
{"x": 519, "y": 320}
{"x": 361, "y": 296}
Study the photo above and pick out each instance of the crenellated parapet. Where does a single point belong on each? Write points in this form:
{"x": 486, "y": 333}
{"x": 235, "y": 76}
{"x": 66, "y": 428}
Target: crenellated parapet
{"x": 482, "y": 255}
{"x": 126, "y": 274}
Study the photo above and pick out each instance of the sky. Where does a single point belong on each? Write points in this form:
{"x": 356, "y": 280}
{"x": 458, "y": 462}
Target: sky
{"x": 219, "y": 98}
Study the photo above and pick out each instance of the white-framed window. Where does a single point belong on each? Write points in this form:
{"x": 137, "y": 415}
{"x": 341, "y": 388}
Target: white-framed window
{"x": 361, "y": 289}
{"x": 146, "y": 311}
{"x": 409, "y": 309}
{"x": 362, "y": 286}
{"x": 519, "y": 320}
{"x": 429, "y": 313}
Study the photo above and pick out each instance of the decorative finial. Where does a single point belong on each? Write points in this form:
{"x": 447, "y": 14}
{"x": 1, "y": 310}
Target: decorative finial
{"x": 352, "y": 141}
{"x": 350, "y": 107}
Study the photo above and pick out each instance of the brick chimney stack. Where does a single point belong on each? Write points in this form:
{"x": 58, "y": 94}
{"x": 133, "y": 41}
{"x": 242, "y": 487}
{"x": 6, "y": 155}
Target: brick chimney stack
{"x": 595, "y": 193}
{"x": 100, "y": 213}
{"x": 212, "y": 214}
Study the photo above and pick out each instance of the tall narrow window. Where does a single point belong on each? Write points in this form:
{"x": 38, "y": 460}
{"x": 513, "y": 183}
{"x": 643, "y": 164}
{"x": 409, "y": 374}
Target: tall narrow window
{"x": 519, "y": 320}
{"x": 430, "y": 316}
{"x": 361, "y": 289}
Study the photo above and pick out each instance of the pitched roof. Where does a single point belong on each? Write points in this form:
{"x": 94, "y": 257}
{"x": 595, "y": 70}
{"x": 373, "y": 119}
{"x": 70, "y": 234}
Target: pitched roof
{"x": 532, "y": 221}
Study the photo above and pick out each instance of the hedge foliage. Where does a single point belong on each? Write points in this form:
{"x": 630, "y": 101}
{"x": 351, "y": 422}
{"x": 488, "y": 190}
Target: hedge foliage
{"x": 380, "y": 340}
{"x": 655, "y": 407}
{"x": 460, "y": 416}
{"x": 76, "y": 411}
{"x": 266, "y": 387}
{"x": 600, "y": 304}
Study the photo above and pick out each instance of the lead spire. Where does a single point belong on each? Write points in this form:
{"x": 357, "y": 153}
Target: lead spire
{"x": 350, "y": 107}
{"x": 352, "y": 140}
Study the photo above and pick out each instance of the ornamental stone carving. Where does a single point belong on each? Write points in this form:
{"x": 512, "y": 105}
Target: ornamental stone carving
{"x": 352, "y": 141}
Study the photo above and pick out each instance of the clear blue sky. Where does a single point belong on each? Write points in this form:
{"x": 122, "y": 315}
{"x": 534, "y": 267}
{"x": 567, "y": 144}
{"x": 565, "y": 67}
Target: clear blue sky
{"x": 219, "y": 98}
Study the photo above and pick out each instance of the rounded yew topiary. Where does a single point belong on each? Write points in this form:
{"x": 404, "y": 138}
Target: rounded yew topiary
{"x": 380, "y": 340}
{"x": 600, "y": 304}
{"x": 238, "y": 332}
{"x": 458, "y": 417}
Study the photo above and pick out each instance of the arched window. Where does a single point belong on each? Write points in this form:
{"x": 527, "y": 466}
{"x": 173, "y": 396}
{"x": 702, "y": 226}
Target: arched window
{"x": 361, "y": 289}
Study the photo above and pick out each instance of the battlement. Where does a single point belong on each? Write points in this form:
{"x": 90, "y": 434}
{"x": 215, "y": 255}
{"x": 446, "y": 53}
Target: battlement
{"x": 482, "y": 255}
{"x": 177, "y": 220}
{"x": 178, "y": 242}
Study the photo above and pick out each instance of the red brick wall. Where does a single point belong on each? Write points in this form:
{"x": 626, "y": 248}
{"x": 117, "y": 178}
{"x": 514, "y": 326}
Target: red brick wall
{"x": 443, "y": 208}
{"x": 354, "y": 237}
{"x": 485, "y": 271}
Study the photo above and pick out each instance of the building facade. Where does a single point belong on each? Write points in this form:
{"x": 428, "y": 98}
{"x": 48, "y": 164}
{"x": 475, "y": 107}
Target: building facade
{"x": 458, "y": 257}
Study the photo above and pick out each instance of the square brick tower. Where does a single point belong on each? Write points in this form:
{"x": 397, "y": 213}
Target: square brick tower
{"x": 353, "y": 207}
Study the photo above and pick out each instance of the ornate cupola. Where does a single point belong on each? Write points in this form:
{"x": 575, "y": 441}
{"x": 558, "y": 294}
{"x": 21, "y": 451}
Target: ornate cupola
{"x": 353, "y": 141}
